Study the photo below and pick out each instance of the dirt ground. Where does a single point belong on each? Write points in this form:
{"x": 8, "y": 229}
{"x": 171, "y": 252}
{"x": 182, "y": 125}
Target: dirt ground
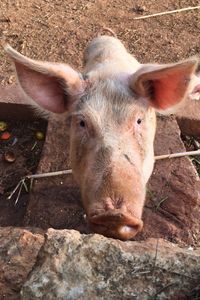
{"x": 59, "y": 31}
{"x": 25, "y": 149}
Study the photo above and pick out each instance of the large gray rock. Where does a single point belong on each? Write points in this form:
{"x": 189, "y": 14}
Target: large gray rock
{"x": 19, "y": 248}
{"x": 74, "y": 266}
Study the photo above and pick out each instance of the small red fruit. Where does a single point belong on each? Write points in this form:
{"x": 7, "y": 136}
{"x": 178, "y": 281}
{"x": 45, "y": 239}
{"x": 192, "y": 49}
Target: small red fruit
{"x": 5, "y": 136}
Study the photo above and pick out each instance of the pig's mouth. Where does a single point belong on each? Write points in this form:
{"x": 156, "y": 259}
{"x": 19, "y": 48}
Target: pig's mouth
{"x": 115, "y": 224}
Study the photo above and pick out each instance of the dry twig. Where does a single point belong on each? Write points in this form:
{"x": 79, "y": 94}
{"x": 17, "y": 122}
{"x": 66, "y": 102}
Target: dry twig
{"x": 179, "y": 154}
{"x": 49, "y": 174}
{"x": 168, "y": 12}
{"x": 22, "y": 182}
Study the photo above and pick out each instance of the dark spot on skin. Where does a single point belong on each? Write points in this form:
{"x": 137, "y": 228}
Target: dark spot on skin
{"x": 129, "y": 160}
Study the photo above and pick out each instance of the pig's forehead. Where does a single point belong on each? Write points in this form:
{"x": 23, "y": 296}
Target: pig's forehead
{"x": 112, "y": 98}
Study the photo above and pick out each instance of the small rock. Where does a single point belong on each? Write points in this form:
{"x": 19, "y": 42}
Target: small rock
{"x": 140, "y": 9}
{"x": 11, "y": 79}
{"x": 9, "y": 156}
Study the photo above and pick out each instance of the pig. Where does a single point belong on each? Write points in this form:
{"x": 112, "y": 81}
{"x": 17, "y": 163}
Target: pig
{"x": 111, "y": 106}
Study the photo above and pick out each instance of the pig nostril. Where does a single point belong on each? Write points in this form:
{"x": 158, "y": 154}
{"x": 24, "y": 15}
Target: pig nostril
{"x": 119, "y": 203}
{"x": 129, "y": 230}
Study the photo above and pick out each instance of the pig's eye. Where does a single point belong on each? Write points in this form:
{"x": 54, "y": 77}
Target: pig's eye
{"x": 139, "y": 121}
{"x": 82, "y": 123}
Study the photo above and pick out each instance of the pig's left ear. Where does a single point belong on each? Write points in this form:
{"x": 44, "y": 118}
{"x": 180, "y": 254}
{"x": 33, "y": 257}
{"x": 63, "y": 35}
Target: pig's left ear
{"x": 164, "y": 85}
{"x": 53, "y": 86}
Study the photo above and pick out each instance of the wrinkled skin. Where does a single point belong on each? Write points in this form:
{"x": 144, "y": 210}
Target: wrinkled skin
{"x": 112, "y": 109}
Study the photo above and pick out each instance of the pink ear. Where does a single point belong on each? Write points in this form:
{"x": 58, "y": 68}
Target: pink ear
{"x": 53, "y": 86}
{"x": 164, "y": 85}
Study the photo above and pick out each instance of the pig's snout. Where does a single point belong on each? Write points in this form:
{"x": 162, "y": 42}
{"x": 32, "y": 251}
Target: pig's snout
{"x": 114, "y": 222}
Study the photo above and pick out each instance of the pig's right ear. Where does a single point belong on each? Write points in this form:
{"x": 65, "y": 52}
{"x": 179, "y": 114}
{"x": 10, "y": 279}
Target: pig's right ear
{"x": 53, "y": 86}
{"x": 164, "y": 86}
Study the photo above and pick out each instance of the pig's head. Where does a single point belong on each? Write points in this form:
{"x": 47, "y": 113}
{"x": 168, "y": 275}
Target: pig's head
{"x": 111, "y": 133}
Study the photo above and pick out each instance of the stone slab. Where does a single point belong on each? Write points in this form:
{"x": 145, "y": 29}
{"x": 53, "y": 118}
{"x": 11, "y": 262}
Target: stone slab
{"x": 64, "y": 264}
{"x": 74, "y": 266}
{"x": 19, "y": 248}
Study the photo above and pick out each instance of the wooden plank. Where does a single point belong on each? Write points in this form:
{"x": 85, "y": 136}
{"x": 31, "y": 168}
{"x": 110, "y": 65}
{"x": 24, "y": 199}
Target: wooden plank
{"x": 14, "y": 104}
